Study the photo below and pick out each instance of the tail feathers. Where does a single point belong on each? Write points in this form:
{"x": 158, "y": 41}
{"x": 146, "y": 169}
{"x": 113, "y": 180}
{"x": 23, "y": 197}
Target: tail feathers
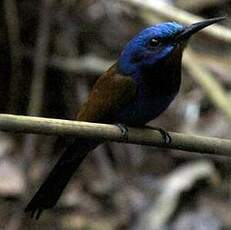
{"x": 52, "y": 188}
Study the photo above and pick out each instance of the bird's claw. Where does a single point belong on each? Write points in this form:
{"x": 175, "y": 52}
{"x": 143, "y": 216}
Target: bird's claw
{"x": 165, "y": 135}
{"x": 124, "y": 131}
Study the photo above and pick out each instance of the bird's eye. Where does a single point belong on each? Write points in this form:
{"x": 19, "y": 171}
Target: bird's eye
{"x": 153, "y": 42}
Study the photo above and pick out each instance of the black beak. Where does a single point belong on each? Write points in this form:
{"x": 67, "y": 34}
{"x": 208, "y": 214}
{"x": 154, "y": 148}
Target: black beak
{"x": 192, "y": 29}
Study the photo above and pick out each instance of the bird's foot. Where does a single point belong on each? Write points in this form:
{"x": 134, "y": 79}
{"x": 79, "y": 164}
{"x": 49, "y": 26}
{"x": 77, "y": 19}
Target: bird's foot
{"x": 165, "y": 135}
{"x": 124, "y": 131}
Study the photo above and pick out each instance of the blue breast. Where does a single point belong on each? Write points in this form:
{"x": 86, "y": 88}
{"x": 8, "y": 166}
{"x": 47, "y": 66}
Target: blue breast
{"x": 146, "y": 106}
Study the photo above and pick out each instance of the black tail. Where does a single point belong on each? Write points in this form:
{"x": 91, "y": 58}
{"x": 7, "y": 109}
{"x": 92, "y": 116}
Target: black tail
{"x": 52, "y": 188}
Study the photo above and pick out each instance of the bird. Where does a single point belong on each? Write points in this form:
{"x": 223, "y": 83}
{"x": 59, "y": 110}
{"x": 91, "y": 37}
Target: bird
{"x": 136, "y": 89}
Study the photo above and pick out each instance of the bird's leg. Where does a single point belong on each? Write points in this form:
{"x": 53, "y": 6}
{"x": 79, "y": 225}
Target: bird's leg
{"x": 165, "y": 135}
{"x": 124, "y": 131}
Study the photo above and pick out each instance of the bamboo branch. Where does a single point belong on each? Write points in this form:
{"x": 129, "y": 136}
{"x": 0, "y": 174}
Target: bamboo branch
{"x": 183, "y": 179}
{"x": 170, "y": 12}
{"x": 211, "y": 86}
{"x": 40, "y": 59}
{"x": 199, "y": 5}
{"x": 88, "y": 63}
{"x": 48, "y": 126}
{"x": 13, "y": 28}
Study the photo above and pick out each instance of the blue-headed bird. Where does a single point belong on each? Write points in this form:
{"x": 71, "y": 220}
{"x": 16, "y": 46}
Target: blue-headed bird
{"x": 136, "y": 89}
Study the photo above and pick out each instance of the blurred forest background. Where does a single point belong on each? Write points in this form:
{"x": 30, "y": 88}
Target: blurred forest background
{"x": 51, "y": 54}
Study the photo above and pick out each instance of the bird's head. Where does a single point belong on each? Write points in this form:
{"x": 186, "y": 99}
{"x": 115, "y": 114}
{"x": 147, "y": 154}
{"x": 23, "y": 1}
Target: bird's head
{"x": 156, "y": 43}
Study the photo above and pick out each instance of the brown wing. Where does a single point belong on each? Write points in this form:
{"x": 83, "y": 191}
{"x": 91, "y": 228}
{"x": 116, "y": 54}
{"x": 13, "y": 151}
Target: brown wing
{"x": 110, "y": 91}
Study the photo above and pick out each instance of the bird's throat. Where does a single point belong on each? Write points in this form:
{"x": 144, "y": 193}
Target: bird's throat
{"x": 165, "y": 76}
